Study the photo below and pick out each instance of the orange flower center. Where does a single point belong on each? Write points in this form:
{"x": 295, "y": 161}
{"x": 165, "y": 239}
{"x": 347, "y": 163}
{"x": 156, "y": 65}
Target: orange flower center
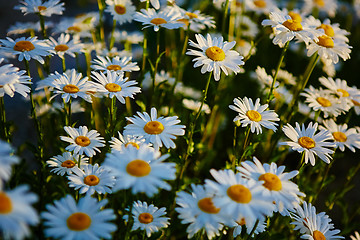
{"x": 191, "y": 15}
{"x": 260, "y": 3}
{"x": 82, "y": 141}
{"x": 158, "y": 21}
{"x": 91, "y": 180}
{"x": 215, "y": 53}
{"x": 293, "y": 25}
{"x": 272, "y": 182}
{"x": 295, "y": 16}
{"x": 344, "y": 92}
{"x": 239, "y": 193}
{"x": 113, "y": 87}
{"x": 207, "y": 205}
{"x": 323, "y": 102}
{"x": 306, "y": 142}
{"x": 113, "y": 67}
{"x": 132, "y": 144}
{"x": 61, "y": 48}
{"x": 317, "y": 235}
{"x": 41, "y": 8}
{"x": 23, "y": 46}
{"x": 68, "y": 164}
{"x": 120, "y": 9}
{"x": 254, "y": 115}
{"x": 325, "y": 41}
{"x": 78, "y": 221}
{"x": 242, "y": 222}
{"x": 328, "y": 29}
{"x": 74, "y": 29}
{"x": 138, "y": 168}
{"x": 71, "y": 88}
{"x": 320, "y": 3}
{"x": 154, "y": 127}
{"x": 145, "y": 218}
{"x": 356, "y": 103}
{"x": 241, "y": 43}
{"x": 339, "y": 136}
{"x": 5, "y": 203}
{"x": 183, "y": 20}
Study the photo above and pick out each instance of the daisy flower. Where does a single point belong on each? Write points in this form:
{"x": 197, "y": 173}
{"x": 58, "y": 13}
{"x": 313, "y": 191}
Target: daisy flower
{"x": 215, "y": 54}
{"x": 116, "y": 64}
{"x": 338, "y": 87}
{"x": 285, "y": 77}
{"x": 314, "y": 226}
{"x": 195, "y": 19}
{"x": 244, "y": 47}
{"x": 17, "y": 213}
{"x": 79, "y": 27}
{"x": 122, "y": 10}
{"x": 356, "y": 236}
{"x": 135, "y": 37}
{"x": 7, "y": 160}
{"x": 343, "y": 136}
{"x": 156, "y": 130}
{"x": 66, "y": 163}
{"x": 254, "y": 114}
{"x": 148, "y": 217}
{"x": 161, "y": 77}
{"x": 277, "y": 184}
{"x": 264, "y": 79}
{"x": 142, "y": 170}
{"x": 69, "y": 84}
{"x": 195, "y": 105}
{"x": 12, "y": 80}
{"x": 115, "y": 85}
{"x": 64, "y": 45}
{"x": 246, "y": 26}
{"x": 238, "y": 197}
{"x": 124, "y": 141}
{"x": 286, "y": 28}
{"x": 83, "y": 141}
{"x": 91, "y": 179}
{"x": 24, "y": 27}
{"x": 324, "y": 101}
{"x": 304, "y": 140}
{"x": 154, "y": 3}
{"x": 44, "y": 8}
{"x": 197, "y": 208}
{"x": 260, "y": 6}
{"x": 28, "y": 48}
{"x": 87, "y": 219}
{"x": 165, "y": 19}
{"x": 324, "y": 6}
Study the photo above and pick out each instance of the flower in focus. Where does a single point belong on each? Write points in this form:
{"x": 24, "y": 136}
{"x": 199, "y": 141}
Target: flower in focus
{"x": 116, "y": 64}
{"x": 142, "y": 170}
{"x": 156, "y": 130}
{"x": 64, "y": 45}
{"x": 44, "y": 8}
{"x": 87, "y": 219}
{"x": 215, "y": 54}
{"x": 91, "y": 179}
{"x": 121, "y": 10}
{"x": 165, "y": 19}
{"x": 124, "y": 141}
{"x": 197, "y": 208}
{"x": 304, "y": 140}
{"x": 66, "y": 163}
{"x": 28, "y": 48}
{"x": 148, "y": 217}
{"x": 17, "y": 213}
{"x": 254, "y": 114}
{"x": 83, "y": 141}
{"x": 7, "y": 160}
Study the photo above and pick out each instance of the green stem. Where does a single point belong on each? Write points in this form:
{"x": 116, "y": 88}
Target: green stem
{"x": 112, "y": 39}
{"x": 225, "y": 17}
{"x": 323, "y": 179}
{"x": 158, "y": 43}
{"x": 5, "y": 134}
{"x": 234, "y": 148}
{"x": 277, "y": 71}
{"x": 253, "y": 230}
{"x": 63, "y": 64}
{"x": 246, "y": 142}
{"x": 42, "y": 25}
{"x": 145, "y": 53}
{"x": 101, "y": 21}
{"x": 112, "y": 116}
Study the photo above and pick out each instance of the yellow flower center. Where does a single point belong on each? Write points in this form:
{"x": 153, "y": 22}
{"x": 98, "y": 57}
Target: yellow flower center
{"x": 132, "y": 144}
{"x": 241, "y": 43}
{"x": 207, "y": 205}
{"x": 344, "y": 92}
{"x": 317, "y": 235}
{"x": 295, "y": 16}
{"x": 78, "y": 221}
{"x": 328, "y": 29}
{"x": 71, "y": 88}
{"x": 356, "y": 103}
{"x": 61, "y": 48}
{"x": 23, "y": 46}
{"x": 215, "y": 53}
{"x": 293, "y": 25}
{"x": 183, "y": 20}
{"x": 339, "y": 136}
{"x": 254, "y": 115}
{"x": 41, "y": 8}
{"x": 68, "y": 164}
{"x": 113, "y": 87}
{"x": 158, "y": 21}
{"x": 82, "y": 141}
{"x": 145, "y": 218}
{"x": 239, "y": 193}
{"x": 120, "y": 9}
{"x": 320, "y": 3}
{"x": 74, "y": 29}
{"x": 91, "y": 180}
{"x": 191, "y": 15}
{"x": 323, "y": 102}
{"x": 260, "y": 3}
{"x": 306, "y": 142}
{"x": 5, "y": 203}
{"x": 272, "y": 182}
{"x": 113, "y": 67}
{"x": 242, "y": 222}
{"x": 154, "y": 127}
{"x": 138, "y": 168}
{"x": 325, "y": 41}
